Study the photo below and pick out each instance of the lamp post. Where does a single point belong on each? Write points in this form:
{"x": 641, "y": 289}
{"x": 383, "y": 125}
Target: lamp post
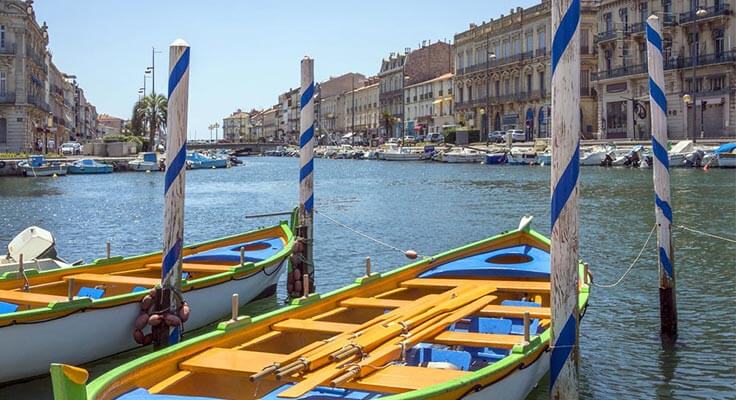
{"x": 490, "y": 56}
{"x": 216, "y": 126}
{"x": 695, "y": 53}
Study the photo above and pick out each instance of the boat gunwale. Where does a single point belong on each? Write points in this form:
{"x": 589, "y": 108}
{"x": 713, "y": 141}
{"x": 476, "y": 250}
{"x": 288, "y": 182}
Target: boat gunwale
{"x": 61, "y": 309}
{"x": 107, "y": 383}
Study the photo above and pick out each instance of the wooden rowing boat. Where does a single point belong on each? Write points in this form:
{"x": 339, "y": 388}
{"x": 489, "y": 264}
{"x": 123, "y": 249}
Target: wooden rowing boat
{"x": 473, "y": 322}
{"x": 80, "y": 314}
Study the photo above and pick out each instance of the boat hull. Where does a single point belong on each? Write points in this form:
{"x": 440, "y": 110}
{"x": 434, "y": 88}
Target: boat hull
{"x": 143, "y": 166}
{"x": 517, "y": 385}
{"x": 73, "y": 169}
{"x": 29, "y": 349}
{"x": 44, "y": 171}
{"x": 727, "y": 160}
{"x": 402, "y": 157}
{"x": 495, "y": 159}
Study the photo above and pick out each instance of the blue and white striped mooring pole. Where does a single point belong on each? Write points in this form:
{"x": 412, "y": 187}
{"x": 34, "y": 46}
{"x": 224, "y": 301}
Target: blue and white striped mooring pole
{"x": 564, "y": 206}
{"x": 662, "y": 209}
{"x": 176, "y": 153}
{"x": 306, "y": 182}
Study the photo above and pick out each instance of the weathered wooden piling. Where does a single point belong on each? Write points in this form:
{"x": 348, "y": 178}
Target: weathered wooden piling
{"x": 304, "y": 264}
{"x": 176, "y": 153}
{"x": 564, "y": 205}
{"x": 662, "y": 208}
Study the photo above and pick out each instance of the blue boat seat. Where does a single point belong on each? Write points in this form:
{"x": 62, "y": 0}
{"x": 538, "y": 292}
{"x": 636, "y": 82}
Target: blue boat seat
{"x": 323, "y": 393}
{"x": 255, "y": 251}
{"x": 424, "y": 353}
{"x": 6, "y": 308}
{"x": 92, "y": 293}
{"x": 517, "y": 327}
{"x": 499, "y": 326}
{"x": 139, "y": 289}
{"x": 510, "y": 262}
{"x": 143, "y": 394}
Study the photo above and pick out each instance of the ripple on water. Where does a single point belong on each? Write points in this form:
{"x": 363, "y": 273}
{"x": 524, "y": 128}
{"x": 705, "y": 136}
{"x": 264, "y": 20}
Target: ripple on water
{"x": 433, "y": 207}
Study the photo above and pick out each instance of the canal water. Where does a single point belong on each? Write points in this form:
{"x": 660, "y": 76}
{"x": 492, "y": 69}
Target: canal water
{"x": 431, "y": 207}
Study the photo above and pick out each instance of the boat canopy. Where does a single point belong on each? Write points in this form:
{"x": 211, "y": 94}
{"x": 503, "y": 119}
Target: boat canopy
{"x": 36, "y": 161}
{"x": 149, "y": 157}
{"x": 725, "y": 148}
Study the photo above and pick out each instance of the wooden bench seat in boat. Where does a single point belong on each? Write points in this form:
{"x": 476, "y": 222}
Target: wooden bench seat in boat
{"x": 372, "y": 302}
{"x": 29, "y": 298}
{"x": 223, "y": 361}
{"x": 301, "y": 325}
{"x": 191, "y": 267}
{"x": 400, "y": 378}
{"x": 502, "y": 311}
{"x": 507, "y": 286}
{"x": 474, "y": 339}
{"x": 113, "y": 279}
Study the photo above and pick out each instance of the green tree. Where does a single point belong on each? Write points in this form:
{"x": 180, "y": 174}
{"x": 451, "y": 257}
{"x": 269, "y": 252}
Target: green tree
{"x": 153, "y": 114}
{"x": 137, "y": 125}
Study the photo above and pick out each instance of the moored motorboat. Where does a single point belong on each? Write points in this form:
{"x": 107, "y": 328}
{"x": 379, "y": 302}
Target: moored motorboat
{"x": 147, "y": 161}
{"x": 473, "y": 322}
{"x": 595, "y": 156}
{"x": 521, "y": 156}
{"x": 83, "y": 313}
{"x": 35, "y": 248}
{"x": 36, "y": 166}
{"x": 397, "y": 153}
{"x": 197, "y": 160}
{"x": 463, "y": 155}
{"x": 496, "y": 158}
{"x": 724, "y": 156}
{"x": 89, "y": 166}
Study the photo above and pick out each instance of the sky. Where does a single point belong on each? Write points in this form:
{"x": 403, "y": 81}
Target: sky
{"x": 243, "y": 53}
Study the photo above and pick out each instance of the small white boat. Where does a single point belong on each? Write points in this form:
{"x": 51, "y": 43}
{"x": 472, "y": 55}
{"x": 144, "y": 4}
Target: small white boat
{"x": 463, "y": 155}
{"x": 545, "y": 159}
{"x": 723, "y": 157}
{"x": 396, "y": 153}
{"x": 37, "y": 166}
{"x": 147, "y": 161}
{"x": 594, "y": 156}
{"x": 36, "y": 246}
{"x": 520, "y": 156}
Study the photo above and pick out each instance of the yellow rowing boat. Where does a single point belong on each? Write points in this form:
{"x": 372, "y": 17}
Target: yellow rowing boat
{"x": 473, "y": 322}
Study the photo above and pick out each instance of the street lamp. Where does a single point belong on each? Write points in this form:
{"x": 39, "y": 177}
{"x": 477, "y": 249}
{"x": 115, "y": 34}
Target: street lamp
{"x": 490, "y": 56}
{"x": 695, "y": 53}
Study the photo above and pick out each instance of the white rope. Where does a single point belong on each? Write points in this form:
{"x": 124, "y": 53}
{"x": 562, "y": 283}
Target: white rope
{"x": 359, "y": 233}
{"x": 707, "y": 234}
{"x": 632, "y": 264}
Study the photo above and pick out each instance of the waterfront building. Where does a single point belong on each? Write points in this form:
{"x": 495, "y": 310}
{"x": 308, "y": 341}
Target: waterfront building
{"x": 37, "y": 104}
{"x": 109, "y": 125}
{"x": 237, "y": 127}
{"x": 361, "y": 112}
{"x": 622, "y": 79}
{"x": 288, "y": 129}
{"x": 429, "y": 61}
{"x": 428, "y": 105}
{"x": 271, "y": 125}
{"x": 503, "y": 72}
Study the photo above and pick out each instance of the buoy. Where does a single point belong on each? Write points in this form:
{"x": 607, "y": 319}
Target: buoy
{"x": 148, "y": 171}
{"x": 154, "y": 320}
{"x": 184, "y": 312}
{"x": 411, "y": 254}
{"x": 141, "y": 321}
{"x": 146, "y": 302}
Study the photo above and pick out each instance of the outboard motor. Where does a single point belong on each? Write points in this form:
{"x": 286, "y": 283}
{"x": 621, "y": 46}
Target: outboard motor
{"x": 608, "y": 160}
{"x": 695, "y": 159}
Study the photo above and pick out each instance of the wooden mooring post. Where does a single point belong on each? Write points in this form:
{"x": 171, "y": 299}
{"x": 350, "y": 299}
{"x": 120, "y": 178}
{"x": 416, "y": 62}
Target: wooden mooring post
{"x": 564, "y": 205}
{"x": 303, "y": 262}
{"x": 176, "y": 152}
{"x": 661, "y": 174}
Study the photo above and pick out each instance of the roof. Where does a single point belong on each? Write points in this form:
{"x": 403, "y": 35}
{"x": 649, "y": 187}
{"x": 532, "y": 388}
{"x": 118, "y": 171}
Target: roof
{"x": 448, "y": 75}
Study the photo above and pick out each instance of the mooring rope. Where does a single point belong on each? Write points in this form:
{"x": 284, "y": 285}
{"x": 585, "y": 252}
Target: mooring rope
{"x": 336, "y": 222}
{"x": 706, "y": 234}
{"x": 630, "y": 266}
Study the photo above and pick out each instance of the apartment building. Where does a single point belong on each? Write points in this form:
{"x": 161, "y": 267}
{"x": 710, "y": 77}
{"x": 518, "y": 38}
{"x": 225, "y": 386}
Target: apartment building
{"x": 362, "y": 114}
{"x": 428, "y": 105}
{"x": 503, "y": 72}
{"x": 237, "y": 127}
{"x": 700, "y": 68}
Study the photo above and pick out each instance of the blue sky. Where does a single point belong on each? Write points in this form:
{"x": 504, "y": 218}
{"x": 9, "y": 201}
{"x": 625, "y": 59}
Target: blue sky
{"x": 243, "y": 53}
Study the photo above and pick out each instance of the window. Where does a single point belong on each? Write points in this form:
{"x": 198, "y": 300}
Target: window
{"x": 608, "y": 22}
{"x": 584, "y": 80}
{"x": 541, "y": 83}
{"x": 542, "y": 39}
{"x": 584, "y": 44}
{"x": 3, "y": 131}
{"x": 2, "y": 36}
{"x": 498, "y": 88}
{"x": 718, "y": 41}
{"x": 529, "y": 42}
{"x": 3, "y": 83}
{"x": 517, "y": 84}
{"x": 624, "y": 14}
{"x": 529, "y": 83}
{"x": 609, "y": 59}
{"x": 717, "y": 83}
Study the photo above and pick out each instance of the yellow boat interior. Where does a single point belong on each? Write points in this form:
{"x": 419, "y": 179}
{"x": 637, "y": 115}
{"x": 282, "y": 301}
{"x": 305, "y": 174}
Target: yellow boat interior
{"x": 30, "y": 295}
{"x": 470, "y": 316}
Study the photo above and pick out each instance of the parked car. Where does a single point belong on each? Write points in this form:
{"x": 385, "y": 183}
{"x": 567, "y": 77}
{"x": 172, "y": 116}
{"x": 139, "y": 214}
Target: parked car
{"x": 435, "y": 138}
{"x": 393, "y": 140}
{"x": 420, "y": 138}
{"x": 409, "y": 139}
{"x": 497, "y": 137}
{"x": 517, "y": 135}
{"x": 71, "y": 148}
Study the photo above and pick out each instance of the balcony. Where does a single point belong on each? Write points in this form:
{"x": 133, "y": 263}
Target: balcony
{"x": 703, "y": 59}
{"x": 527, "y": 55}
{"x": 8, "y": 49}
{"x": 7, "y": 98}
{"x": 637, "y": 28}
{"x": 38, "y": 102}
{"x": 719, "y": 10}
{"x": 619, "y": 72}
{"x": 606, "y": 36}
{"x": 541, "y": 52}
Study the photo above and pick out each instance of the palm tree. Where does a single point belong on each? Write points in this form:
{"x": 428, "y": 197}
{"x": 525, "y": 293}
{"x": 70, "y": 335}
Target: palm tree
{"x": 152, "y": 111}
{"x": 137, "y": 125}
